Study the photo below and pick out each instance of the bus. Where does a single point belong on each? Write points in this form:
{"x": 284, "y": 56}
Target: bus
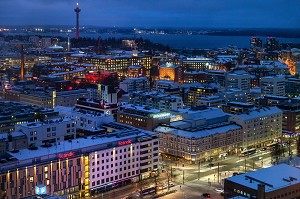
{"x": 148, "y": 190}
{"x": 248, "y": 152}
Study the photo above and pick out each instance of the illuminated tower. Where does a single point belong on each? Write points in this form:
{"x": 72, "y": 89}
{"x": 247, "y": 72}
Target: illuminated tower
{"x": 77, "y": 11}
{"x": 22, "y": 76}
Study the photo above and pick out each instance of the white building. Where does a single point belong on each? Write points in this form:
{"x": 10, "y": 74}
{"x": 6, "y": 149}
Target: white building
{"x": 212, "y": 101}
{"x": 49, "y": 131}
{"x": 90, "y": 120}
{"x": 273, "y": 85}
{"x": 130, "y": 85}
{"x": 239, "y": 79}
{"x": 162, "y": 85}
{"x": 69, "y": 98}
{"x": 108, "y": 93}
{"x": 259, "y": 126}
{"x": 156, "y": 100}
{"x": 129, "y": 156}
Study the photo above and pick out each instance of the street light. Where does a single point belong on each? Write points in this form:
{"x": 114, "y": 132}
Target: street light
{"x": 199, "y": 167}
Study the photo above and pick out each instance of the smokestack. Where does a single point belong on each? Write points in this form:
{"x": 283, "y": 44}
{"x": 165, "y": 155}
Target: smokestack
{"x": 261, "y": 191}
{"x": 22, "y": 75}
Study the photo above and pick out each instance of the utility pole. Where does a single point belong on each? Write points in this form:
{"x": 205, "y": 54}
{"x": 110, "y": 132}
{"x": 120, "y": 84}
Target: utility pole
{"x": 182, "y": 176}
{"x": 245, "y": 166}
{"x": 199, "y": 165}
{"x": 155, "y": 179}
{"x": 218, "y": 172}
{"x": 168, "y": 181}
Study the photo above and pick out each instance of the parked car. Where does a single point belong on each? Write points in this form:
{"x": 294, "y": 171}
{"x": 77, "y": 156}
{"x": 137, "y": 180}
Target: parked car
{"x": 210, "y": 165}
{"x": 206, "y": 195}
{"x": 219, "y": 190}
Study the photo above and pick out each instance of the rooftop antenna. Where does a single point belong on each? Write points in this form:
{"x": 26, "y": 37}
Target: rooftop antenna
{"x": 69, "y": 43}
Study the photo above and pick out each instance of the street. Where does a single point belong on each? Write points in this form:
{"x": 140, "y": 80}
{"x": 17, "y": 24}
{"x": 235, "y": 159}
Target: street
{"x": 192, "y": 180}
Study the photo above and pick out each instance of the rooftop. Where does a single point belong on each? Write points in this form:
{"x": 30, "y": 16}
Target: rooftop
{"x": 273, "y": 177}
{"x": 205, "y": 132}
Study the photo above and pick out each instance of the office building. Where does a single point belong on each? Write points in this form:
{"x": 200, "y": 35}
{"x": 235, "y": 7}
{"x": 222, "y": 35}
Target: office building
{"x": 261, "y": 126}
{"x": 156, "y": 100}
{"x": 239, "y": 79}
{"x": 290, "y": 115}
{"x": 280, "y": 181}
{"x": 170, "y": 72}
{"x": 13, "y": 113}
{"x": 197, "y": 64}
{"x": 195, "y": 93}
{"x": 273, "y": 85}
{"x": 194, "y": 76}
{"x": 200, "y": 134}
{"x": 292, "y": 87}
{"x": 97, "y": 105}
{"x": 130, "y": 85}
{"x": 142, "y": 117}
{"x": 48, "y": 131}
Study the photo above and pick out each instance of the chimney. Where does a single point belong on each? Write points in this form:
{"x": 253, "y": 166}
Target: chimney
{"x": 261, "y": 191}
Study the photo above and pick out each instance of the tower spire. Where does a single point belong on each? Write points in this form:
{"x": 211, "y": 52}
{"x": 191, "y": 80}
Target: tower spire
{"x": 77, "y": 11}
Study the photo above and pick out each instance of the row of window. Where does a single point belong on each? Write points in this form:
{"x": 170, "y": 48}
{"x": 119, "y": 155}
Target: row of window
{"x": 111, "y": 179}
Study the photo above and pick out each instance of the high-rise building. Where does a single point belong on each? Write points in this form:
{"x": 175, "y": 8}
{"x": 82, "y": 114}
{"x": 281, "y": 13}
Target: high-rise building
{"x": 239, "y": 79}
{"x": 255, "y": 42}
{"x": 273, "y": 85}
{"x": 197, "y": 64}
{"x": 272, "y": 44}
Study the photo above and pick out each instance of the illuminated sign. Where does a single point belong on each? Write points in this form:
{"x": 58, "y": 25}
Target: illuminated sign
{"x": 124, "y": 142}
{"x": 161, "y": 115}
{"x": 40, "y": 190}
{"x": 66, "y": 155}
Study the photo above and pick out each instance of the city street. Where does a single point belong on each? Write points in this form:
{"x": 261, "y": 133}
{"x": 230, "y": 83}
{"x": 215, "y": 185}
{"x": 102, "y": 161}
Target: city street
{"x": 192, "y": 180}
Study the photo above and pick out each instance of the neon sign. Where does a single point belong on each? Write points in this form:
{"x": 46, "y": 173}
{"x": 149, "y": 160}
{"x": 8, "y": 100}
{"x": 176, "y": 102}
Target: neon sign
{"x": 161, "y": 115}
{"x": 124, "y": 142}
{"x": 66, "y": 155}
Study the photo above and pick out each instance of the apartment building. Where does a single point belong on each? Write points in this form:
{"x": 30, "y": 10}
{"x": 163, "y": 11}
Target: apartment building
{"x": 260, "y": 126}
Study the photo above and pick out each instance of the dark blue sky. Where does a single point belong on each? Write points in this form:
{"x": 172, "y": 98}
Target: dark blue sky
{"x": 154, "y": 13}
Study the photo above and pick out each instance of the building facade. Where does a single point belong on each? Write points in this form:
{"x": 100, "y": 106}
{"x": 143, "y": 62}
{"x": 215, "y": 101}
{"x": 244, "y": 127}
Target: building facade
{"x": 260, "y": 126}
{"x": 81, "y": 167}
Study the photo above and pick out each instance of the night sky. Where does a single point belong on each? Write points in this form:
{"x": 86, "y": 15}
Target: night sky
{"x": 154, "y": 13}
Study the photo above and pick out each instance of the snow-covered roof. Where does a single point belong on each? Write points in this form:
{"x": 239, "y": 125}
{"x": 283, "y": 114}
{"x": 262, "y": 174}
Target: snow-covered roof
{"x": 76, "y": 144}
{"x": 275, "y": 177}
{"x": 197, "y": 134}
{"x": 260, "y": 113}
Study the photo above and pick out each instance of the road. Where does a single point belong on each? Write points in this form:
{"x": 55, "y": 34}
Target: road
{"x": 192, "y": 180}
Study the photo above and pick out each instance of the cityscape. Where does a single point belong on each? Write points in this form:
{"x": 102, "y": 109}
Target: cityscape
{"x": 140, "y": 100}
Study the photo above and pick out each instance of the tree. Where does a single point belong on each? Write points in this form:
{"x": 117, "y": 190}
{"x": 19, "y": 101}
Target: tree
{"x": 276, "y": 152}
{"x": 298, "y": 146}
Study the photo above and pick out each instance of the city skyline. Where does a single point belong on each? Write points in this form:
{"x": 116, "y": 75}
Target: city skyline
{"x": 191, "y": 13}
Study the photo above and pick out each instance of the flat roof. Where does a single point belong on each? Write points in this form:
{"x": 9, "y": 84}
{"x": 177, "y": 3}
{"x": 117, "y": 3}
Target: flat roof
{"x": 197, "y": 134}
{"x": 80, "y": 143}
{"x": 275, "y": 177}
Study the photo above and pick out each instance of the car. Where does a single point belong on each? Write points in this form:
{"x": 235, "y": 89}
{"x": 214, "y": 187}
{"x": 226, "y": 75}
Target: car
{"x": 206, "y": 195}
{"x": 219, "y": 190}
{"x": 210, "y": 165}
{"x": 263, "y": 149}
